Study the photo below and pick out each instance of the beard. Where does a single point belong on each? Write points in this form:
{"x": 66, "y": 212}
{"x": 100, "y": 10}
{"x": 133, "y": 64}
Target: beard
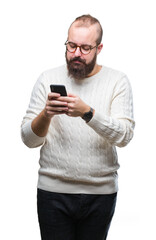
{"x": 80, "y": 70}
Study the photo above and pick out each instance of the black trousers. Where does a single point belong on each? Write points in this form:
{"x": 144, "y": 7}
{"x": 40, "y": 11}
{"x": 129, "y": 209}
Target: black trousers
{"x": 74, "y": 216}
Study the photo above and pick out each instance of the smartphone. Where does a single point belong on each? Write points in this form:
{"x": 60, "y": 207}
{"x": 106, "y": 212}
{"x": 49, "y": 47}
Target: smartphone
{"x": 58, "y": 89}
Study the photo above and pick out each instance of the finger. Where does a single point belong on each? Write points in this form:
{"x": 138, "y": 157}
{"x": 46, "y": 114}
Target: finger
{"x": 56, "y": 109}
{"x": 66, "y": 99}
{"x": 53, "y": 95}
{"x": 71, "y": 95}
{"x": 56, "y": 103}
{"x": 68, "y": 114}
{"x": 70, "y": 105}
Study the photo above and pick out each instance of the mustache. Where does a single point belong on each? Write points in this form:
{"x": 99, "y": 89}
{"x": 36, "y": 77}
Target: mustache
{"x": 77, "y": 59}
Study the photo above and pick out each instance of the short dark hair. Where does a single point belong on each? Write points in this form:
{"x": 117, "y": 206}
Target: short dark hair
{"x": 88, "y": 20}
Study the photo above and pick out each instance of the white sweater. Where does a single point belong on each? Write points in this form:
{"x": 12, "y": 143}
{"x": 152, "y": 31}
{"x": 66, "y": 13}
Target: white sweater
{"x": 79, "y": 157}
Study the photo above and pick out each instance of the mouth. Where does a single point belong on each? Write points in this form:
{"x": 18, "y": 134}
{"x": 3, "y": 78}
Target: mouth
{"x": 77, "y": 62}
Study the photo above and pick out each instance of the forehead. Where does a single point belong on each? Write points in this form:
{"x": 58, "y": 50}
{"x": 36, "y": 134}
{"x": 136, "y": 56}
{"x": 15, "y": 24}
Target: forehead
{"x": 82, "y": 34}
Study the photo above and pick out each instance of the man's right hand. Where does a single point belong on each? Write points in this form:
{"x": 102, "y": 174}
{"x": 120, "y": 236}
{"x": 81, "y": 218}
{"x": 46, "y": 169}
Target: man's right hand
{"x": 53, "y": 106}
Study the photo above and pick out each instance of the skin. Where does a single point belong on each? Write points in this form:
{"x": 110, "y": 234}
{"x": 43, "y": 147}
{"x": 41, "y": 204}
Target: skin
{"x": 71, "y": 105}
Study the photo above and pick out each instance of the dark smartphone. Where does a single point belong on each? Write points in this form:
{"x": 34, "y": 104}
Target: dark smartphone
{"x": 58, "y": 89}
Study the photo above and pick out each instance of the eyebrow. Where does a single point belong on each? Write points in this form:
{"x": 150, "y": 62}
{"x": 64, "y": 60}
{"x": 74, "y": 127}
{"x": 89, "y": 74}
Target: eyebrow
{"x": 84, "y": 44}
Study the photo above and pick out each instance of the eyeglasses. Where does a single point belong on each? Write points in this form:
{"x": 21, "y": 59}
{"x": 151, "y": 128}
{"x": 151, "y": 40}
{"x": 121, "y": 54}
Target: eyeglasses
{"x": 84, "y": 48}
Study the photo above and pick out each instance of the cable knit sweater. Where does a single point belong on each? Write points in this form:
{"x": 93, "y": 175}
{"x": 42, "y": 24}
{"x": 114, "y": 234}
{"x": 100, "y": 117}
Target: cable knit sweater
{"x": 79, "y": 157}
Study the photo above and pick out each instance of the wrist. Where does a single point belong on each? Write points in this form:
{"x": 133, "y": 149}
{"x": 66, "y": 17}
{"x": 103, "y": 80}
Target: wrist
{"x": 87, "y": 116}
{"x": 45, "y": 115}
{"x": 84, "y": 110}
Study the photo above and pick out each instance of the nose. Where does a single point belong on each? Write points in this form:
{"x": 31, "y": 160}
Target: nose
{"x": 78, "y": 52}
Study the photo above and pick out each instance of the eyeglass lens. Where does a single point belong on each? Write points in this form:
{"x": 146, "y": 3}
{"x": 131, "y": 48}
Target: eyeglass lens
{"x": 71, "y": 47}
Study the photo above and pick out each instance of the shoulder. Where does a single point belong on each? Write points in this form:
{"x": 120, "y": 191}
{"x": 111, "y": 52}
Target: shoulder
{"x": 52, "y": 75}
{"x": 113, "y": 73}
{"x": 55, "y": 71}
{"x": 116, "y": 77}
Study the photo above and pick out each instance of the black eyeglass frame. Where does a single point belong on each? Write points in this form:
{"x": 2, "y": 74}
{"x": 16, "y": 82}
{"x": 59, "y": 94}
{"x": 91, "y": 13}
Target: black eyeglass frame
{"x": 76, "y": 46}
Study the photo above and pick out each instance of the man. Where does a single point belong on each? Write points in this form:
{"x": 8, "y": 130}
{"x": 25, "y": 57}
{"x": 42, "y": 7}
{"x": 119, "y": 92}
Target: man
{"x": 77, "y": 185}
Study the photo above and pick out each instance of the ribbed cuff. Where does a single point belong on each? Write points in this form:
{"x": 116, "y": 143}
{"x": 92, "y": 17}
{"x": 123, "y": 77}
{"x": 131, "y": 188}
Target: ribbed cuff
{"x": 29, "y": 137}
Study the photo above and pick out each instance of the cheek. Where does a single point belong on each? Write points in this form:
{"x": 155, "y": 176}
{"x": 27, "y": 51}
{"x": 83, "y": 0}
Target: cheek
{"x": 89, "y": 58}
{"x": 69, "y": 55}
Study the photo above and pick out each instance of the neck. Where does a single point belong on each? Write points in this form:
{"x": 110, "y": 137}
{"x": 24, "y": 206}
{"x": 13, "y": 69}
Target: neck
{"x": 96, "y": 69}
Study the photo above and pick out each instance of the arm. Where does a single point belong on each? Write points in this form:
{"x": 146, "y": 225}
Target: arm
{"x": 53, "y": 107}
{"x": 117, "y": 128}
{"x": 36, "y": 122}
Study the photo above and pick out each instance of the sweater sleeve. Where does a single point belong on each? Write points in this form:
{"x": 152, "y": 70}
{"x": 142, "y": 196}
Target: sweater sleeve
{"x": 117, "y": 128}
{"x": 36, "y": 105}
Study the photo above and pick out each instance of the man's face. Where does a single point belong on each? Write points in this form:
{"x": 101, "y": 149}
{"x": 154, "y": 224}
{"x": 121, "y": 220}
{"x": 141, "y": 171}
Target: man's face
{"x": 80, "y": 65}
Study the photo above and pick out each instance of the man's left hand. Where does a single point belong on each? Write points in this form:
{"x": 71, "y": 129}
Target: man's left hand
{"x": 76, "y": 107}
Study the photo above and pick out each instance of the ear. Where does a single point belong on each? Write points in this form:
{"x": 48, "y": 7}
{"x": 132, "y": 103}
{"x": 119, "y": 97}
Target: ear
{"x": 99, "y": 48}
